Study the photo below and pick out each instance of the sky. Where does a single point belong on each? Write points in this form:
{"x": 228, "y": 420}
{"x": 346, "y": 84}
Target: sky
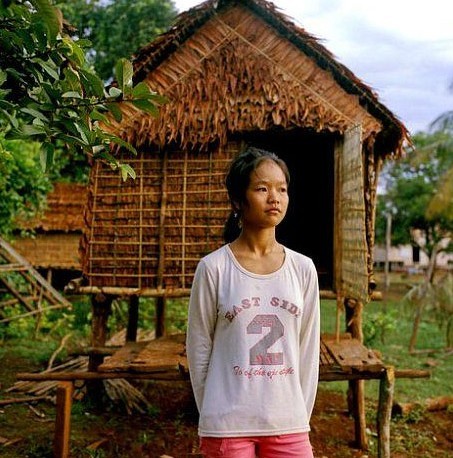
{"x": 402, "y": 49}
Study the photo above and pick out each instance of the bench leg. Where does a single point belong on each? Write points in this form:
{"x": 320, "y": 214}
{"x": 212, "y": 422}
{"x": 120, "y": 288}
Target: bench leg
{"x": 63, "y": 419}
{"x": 357, "y": 404}
{"x": 386, "y": 386}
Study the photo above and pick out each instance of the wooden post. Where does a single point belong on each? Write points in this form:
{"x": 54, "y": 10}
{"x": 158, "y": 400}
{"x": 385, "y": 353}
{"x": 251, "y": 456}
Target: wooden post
{"x": 101, "y": 308}
{"x": 63, "y": 419}
{"x": 388, "y": 246}
{"x": 160, "y": 316}
{"x": 356, "y": 392}
{"x": 386, "y": 387}
{"x": 132, "y": 323}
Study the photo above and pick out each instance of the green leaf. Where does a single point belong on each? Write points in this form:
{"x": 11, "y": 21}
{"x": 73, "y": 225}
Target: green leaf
{"x": 115, "y": 110}
{"x": 114, "y": 92}
{"x": 49, "y": 68}
{"x": 141, "y": 91}
{"x": 71, "y": 95}
{"x": 146, "y": 106}
{"x": 124, "y": 73}
{"x": 92, "y": 83}
{"x": 75, "y": 52}
{"x": 96, "y": 115}
{"x": 35, "y": 113}
{"x": 50, "y": 16}
{"x": 46, "y": 155}
{"x": 120, "y": 142}
{"x": 71, "y": 81}
{"x": 11, "y": 118}
{"x": 3, "y": 77}
{"x": 127, "y": 171}
{"x": 155, "y": 97}
{"x": 32, "y": 130}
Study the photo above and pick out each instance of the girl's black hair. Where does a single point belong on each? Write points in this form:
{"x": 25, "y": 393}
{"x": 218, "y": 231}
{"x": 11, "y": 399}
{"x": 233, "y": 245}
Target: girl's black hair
{"x": 237, "y": 182}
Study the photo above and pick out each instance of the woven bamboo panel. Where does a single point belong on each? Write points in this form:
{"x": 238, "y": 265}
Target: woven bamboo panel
{"x": 354, "y": 256}
{"x": 151, "y": 232}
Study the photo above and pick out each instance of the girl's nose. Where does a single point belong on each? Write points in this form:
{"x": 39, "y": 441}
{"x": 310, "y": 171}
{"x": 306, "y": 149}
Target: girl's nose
{"x": 273, "y": 197}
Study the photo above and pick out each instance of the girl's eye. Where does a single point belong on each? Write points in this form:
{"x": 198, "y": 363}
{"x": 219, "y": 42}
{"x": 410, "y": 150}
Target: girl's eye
{"x": 262, "y": 188}
{"x": 284, "y": 190}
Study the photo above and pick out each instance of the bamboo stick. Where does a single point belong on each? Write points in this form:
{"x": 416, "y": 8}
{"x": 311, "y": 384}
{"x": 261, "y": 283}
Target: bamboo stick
{"x": 183, "y": 235}
{"x": 4, "y": 402}
{"x": 163, "y": 209}
{"x": 140, "y": 229}
{"x": 158, "y": 374}
{"x": 125, "y": 291}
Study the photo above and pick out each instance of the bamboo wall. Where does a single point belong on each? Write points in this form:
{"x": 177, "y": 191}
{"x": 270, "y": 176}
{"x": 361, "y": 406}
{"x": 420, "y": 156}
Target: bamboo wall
{"x": 151, "y": 232}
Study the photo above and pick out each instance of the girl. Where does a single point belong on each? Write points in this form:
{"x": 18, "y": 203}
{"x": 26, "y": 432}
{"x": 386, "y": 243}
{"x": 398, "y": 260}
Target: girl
{"x": 253, "y": 330}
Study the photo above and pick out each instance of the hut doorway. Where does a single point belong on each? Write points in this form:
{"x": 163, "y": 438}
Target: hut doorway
{"x": 309, "y": 224}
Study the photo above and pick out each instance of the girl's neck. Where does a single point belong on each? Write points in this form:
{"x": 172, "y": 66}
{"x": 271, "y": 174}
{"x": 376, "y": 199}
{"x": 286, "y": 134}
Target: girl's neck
{"x": 259, "y": 243}
{"x": 259, "y": 253}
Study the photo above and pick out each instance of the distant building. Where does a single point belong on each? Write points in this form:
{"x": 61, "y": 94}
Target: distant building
{"x": 409, "y": 258}
{"x": 54, "y": 249}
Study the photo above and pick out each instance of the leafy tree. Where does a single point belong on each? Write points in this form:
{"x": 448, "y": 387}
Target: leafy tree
{"x": 49, "y": 93}
{"x": 117, "y": 28}
{"x": 415, "y": 196}
{"x": 49, "y": 96}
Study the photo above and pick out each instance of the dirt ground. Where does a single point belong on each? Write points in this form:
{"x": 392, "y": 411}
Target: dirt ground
{"x": 169, "y": 427}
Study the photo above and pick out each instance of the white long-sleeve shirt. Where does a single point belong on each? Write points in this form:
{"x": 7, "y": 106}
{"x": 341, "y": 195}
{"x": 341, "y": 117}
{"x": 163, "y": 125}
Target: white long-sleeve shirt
{"x": 253, "y": 346}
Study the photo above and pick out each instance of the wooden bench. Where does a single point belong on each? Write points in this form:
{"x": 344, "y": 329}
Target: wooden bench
{"x": 164, "y": 359}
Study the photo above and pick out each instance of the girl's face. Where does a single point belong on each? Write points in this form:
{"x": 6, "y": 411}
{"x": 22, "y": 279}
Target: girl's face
{"x": 266, "y": 198}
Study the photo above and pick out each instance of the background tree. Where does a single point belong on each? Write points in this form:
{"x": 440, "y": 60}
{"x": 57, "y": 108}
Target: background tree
{"x": 23, "y": 186}
{"x": 418, "y": 196}
{"x": 415, "y": 196}
{"x": 117, "y": 28}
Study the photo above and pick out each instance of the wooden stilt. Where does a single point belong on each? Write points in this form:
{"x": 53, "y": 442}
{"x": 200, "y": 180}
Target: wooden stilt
{"x": 63, "y": 419}
{"x": 101, "y": 307}
{"x": 132, "y": 323}
{"x": 160, "y": 316}
{"x": 386, "y": 387}
{"x": 356, "y": 392}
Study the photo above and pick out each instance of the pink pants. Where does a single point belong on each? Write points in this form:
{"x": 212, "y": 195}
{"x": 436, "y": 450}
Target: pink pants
{"x": 283, "y": 446}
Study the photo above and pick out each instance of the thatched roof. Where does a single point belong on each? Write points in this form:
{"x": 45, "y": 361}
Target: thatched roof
{"x": 241, "y": 65}
{"x": 64, "y": 211}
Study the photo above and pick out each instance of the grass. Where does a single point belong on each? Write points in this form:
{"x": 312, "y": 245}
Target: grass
{"x": 387, "y": 328}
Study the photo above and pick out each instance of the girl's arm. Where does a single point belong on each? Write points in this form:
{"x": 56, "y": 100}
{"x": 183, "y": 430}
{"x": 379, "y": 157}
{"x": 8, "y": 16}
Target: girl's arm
{"x": 200, "y": 329}
{"x": 309, "y": 339}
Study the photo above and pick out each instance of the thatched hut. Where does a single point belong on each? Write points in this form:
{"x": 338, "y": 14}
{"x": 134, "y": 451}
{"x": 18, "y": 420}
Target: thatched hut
{"x": 53, "y": 249}
{"x": 239, "y": 72}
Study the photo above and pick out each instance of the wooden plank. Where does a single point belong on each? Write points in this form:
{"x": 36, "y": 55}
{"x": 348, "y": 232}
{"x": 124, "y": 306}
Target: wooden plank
{"x": 353, "y": 355}
{"x": 122, "y": 358}
{"x": 158, "y": 355}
